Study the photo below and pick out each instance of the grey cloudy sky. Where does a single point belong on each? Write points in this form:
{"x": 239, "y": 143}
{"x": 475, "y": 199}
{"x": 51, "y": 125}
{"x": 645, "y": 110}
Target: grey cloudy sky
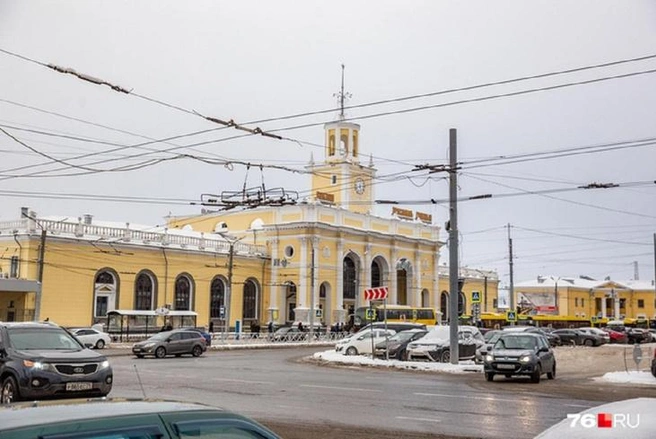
{"x": 254, "y": 60}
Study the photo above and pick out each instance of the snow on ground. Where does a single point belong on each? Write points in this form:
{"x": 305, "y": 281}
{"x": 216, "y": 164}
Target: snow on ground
{"x": 642, "y": 378}
{"x": 336, "y": 357}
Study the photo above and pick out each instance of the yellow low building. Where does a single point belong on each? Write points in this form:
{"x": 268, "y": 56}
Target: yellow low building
{"x": 587, "y": 298}
{"x": 284, "y": 260}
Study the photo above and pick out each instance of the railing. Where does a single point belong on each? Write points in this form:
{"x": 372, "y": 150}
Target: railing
{"x": 165, "y": 237}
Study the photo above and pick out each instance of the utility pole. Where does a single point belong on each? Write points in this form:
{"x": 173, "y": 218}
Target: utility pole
{"x": 41, "y": 264}
{"x": 453, "y": 246}
{"x": 512, "y": 285}
{"x": 228, "y": 300}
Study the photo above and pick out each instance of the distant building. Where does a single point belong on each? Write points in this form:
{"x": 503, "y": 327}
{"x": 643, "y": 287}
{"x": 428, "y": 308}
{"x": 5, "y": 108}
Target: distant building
{"x": 585, "y": 297}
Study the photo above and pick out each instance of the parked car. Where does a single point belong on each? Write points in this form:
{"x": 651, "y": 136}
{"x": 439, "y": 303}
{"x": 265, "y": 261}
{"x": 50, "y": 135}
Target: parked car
{"x": 92, "y": 337}
{"x": 436, "y": 345}
{"x": 616, "y": 336}
{"x": 482, "y": 351}
{"x": 289, "y": 333}
{"x": 398, "y": 327}
{"x": 43, "y": 360}
{"x": 360, "y": 343}
{"x": 596, "y": 331}
{"x": 100, "y": 418}
{"x": 638, "y": 335}
{"x": 396, "y": 345}
{"x": 553, "y": 338}
{"x": 653, "y": 364}
{"x": 520, "y": 353}
{"x": 652, "y": 335}
{"x": 490, "y": 334}
{"x": 569, "y": 336}
{"x": 176, "y": 342}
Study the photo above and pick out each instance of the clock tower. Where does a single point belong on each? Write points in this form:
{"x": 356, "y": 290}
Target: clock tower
{"x": 341, "y": 179}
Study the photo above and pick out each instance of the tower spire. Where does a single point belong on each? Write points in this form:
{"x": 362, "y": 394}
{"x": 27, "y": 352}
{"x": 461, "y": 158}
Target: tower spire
{"x": 341, "y": 97}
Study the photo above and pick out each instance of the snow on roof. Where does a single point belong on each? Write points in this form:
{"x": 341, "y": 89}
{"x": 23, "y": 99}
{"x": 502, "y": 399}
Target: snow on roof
{"x": 574, "y": 282}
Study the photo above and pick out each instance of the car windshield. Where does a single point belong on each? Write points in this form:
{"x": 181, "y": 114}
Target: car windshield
{"x": 515, "y": 342}
{"x": 494, "y": 338}
{"x": 42, "y": 339}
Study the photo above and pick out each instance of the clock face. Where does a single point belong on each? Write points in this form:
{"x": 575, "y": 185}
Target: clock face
{"x": 359, "y": 186}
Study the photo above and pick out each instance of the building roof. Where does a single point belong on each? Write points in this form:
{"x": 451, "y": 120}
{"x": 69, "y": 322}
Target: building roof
{"x": 584, "y": 283}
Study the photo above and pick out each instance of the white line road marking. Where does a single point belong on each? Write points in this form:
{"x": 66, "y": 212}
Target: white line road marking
{"x": 418, "y": 419}
{"x": 341, "y": 388}
{"x": 242, "y": 381}
{"x": 487, "y": 398}
{"x": 577, "y": 405}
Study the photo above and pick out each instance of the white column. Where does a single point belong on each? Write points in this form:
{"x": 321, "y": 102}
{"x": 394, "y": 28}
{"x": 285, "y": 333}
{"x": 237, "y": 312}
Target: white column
{"x": 340, "y": 314}
{"x": 616, "y": 304}
{"x": 603, "y": 306}
{"x": 436, "y": 278}
{"x": 273, "y": 292}
{"x": 302, "y": 296}
{"x": 393, "y": 284}
{"x": 416, "y": 296}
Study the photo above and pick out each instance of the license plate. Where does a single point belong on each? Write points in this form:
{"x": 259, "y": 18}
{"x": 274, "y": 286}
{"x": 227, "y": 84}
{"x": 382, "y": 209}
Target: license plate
{"x": 76, "y": 387}
{"x": 505, "y": 366}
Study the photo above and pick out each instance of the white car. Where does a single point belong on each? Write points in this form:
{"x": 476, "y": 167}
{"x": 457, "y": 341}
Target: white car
{"x": 361, "y": 342}
{"x": 93, "y": 337}
{"x": 436, "y": 345}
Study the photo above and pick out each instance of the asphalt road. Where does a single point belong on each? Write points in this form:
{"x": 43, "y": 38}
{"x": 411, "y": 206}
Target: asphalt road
{"x": 297, "y": 398}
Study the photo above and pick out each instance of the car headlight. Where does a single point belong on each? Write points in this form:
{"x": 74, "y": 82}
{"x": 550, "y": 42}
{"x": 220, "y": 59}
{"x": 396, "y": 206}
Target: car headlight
{"x": 37, "y": 365}
{"x": 489, "y": 358}
{"x": 148, "y": 345}
{"x": 103, "y": 365}
{"x": 525, "y": 359}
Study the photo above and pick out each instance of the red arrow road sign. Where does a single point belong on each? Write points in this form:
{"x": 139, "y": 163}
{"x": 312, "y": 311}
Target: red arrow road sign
{"x": 378, "y": 293}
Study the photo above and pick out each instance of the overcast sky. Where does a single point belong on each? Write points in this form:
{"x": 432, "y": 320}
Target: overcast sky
{"x": 256, "y": 60}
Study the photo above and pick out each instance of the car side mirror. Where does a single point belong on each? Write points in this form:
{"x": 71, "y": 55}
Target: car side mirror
{"x": 168, "y": 340}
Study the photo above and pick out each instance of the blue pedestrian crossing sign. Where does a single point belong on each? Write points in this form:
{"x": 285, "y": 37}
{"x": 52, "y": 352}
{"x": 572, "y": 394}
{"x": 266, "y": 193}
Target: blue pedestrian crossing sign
{"x": 511, "y": 316}
{"x": 370, "y": 314}
{"x": 476, "y": 297}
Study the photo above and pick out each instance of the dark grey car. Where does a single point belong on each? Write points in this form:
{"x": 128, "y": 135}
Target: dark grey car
{"x": 520, "y": 353}
{"x": 177, "y": 342}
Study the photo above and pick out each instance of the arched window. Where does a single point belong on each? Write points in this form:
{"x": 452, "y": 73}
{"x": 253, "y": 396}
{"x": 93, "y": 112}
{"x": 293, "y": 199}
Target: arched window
{"x": 144, "y": 292}
{"x": 250, "y": 300}
{"x": 349, "y": 278}
{"x": 376, "y": 275}
{"x": 217, "y": 297}
{"x": 462, "y": 303}
{"x": 182, "y": 294}
{"x": 444, "y": 305}
{"x": 105, "y": 293}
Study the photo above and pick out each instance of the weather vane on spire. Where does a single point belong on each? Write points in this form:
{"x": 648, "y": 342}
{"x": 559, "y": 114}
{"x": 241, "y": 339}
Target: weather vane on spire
{"x": 342, "y": 96}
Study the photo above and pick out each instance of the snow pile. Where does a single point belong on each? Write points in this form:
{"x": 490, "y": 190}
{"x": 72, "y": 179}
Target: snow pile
{"x": 360, "y": 360}
{"x": 643, "y": 378}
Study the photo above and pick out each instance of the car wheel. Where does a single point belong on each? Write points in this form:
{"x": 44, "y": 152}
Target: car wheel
{"x": 535, "y": 377}
{"x": 551, "y": 375}
{"x": 489, "y": 376}
{"x": 100, "y": 344}
{"x": 589, "y": 342}
{"x": 352, "y": 351}
{"x": 160, "y": 352}
{"x": 445, "y": 357}
{"x": 9, "y": 392}
{"x": 197, "y": 351}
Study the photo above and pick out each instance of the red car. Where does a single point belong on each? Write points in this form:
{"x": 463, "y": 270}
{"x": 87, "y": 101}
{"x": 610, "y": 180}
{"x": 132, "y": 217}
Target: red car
{"x": 616, "y": 336}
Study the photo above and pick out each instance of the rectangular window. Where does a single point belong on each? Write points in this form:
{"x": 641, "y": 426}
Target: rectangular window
{"x": 641, "y": 303}
{"x": 13, "y": 268}
{"x": 576, "y": 301}
{"x": 582, "y": 303}
{"x": 331, "y": 142}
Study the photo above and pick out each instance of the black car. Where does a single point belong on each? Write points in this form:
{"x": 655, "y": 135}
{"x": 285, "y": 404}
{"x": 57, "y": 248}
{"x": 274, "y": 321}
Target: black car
{"x": 396, "y": 345}
{"x": 520, "y": 353}
{"x": 43, "y": 360}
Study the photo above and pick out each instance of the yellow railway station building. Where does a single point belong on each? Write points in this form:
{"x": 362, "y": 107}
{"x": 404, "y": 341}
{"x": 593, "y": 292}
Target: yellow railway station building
{"x": 301, "y": 261}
